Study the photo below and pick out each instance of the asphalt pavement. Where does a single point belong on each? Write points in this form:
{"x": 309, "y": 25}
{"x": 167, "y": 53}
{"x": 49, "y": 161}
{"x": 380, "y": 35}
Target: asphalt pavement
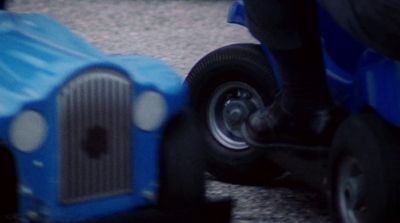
{"x": 180, "y": 33}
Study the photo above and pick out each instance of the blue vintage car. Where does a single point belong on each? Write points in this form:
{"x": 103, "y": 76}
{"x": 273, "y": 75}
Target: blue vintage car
{"x": 87, "y": 136}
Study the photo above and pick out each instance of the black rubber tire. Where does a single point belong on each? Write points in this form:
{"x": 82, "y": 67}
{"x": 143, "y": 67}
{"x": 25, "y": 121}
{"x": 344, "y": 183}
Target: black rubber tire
{"x": 182, "y": 180}
{"x": 373, "y": 144}
{"x": 3, "y": 4}
{"x": 244, "y": 63}
{"x": 8, "y": 190}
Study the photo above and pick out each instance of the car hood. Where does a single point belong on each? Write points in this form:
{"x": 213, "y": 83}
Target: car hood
{"x": 38, "y": 54}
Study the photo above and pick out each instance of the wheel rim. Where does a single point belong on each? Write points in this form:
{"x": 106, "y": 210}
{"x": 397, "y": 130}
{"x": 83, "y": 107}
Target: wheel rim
{"x": 351, "y": 191}
{"x": 229, "y": 107}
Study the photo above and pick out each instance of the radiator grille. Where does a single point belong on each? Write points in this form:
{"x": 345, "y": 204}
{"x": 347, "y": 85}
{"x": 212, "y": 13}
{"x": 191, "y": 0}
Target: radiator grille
{"x": 95, "y": 116}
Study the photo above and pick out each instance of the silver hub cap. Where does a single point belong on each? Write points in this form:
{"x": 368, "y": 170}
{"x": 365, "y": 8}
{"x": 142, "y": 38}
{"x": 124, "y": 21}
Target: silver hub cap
{"x": 229, "y": 107}
{"x": 351, "y": 191}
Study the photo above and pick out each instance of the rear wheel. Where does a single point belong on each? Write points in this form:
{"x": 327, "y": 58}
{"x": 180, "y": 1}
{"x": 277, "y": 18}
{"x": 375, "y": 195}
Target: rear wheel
{"x": 364, "y": 165}
{"x": 226, "y": 86}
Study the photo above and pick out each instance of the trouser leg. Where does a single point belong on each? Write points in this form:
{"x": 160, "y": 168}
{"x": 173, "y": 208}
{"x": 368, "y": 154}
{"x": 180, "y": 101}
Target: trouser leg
{"x": 290, "y": 30}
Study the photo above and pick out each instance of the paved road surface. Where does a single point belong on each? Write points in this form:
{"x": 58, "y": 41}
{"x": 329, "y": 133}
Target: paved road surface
{"x": 180, "y": 33}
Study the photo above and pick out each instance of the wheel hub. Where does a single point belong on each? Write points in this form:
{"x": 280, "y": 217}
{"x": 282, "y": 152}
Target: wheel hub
{"x": 351, "y": 189}
{"x": 229, "y": 107}
{"x": 235, "y": 113}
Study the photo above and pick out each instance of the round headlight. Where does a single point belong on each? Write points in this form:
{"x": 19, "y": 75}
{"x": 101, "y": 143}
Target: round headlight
{"x": 149, "y": 111}
{"x": 28, "y": 131}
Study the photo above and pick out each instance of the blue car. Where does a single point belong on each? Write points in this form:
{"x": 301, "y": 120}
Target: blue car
{"x": 359, "y": 170}
{"x": 86, "y": 136}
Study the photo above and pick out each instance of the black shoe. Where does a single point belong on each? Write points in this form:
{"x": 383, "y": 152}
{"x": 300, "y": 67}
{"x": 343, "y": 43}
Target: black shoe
{"x": 277, "y": 125}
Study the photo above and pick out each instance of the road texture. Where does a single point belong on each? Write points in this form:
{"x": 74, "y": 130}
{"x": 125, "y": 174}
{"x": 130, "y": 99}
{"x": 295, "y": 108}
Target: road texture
{"x": 180, "y": 33}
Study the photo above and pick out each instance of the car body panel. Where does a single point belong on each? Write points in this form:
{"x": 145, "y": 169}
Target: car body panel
{"x": 38, "y": 57}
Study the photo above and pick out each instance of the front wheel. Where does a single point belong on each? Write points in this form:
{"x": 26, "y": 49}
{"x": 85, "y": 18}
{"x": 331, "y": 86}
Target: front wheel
{"x": 226, "y": 86}
{"x": 3, "y": 4}
{"x": 9, "y": 182}
{"x": 182, "y": 182}
{"x": 364, "y": 171}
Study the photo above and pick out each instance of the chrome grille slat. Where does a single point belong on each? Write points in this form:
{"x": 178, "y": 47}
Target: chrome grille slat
{"x": 98, "y": 101}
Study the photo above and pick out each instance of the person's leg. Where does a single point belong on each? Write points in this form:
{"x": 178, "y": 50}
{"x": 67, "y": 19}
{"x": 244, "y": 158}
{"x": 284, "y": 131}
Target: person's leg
{"x": 290, "y": 30}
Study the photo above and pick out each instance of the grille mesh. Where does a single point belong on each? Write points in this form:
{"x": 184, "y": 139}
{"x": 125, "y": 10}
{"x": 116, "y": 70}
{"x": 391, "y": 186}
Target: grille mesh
{"x": 95, "y": 116}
